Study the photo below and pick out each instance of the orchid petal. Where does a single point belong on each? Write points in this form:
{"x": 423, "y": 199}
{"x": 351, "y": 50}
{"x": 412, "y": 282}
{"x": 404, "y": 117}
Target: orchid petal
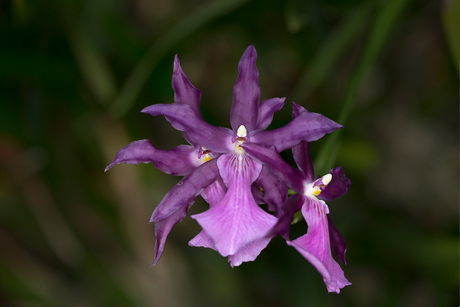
{"x": 246, "y": 92}
{"x": 292, "y": 205}
{"x": 214, "y": 193}
{"x": 236, "y": 220}
{"x": 315, "y": 245}
{"x": 338, "y": 185}
{"x": 179, "y": 161}
{"x": 163, "y": 228}
{"x": 339, "y": 247}
{"x": 301, "y": 154}
{"x": 283, "y": 171}
{"x": 258, "y": 194}
{"x": 267, "y": 109}
{"x": 307, "y": 127}
{"x": 202, "y": 239}
{"x": 186, "y": 190}
{"x": 249, "y": 252}
{"x": 184, "y": 91}
{"x": 183, "y": 118}
{"x": 297, "y": 110}
{"x": 275, "y": 193}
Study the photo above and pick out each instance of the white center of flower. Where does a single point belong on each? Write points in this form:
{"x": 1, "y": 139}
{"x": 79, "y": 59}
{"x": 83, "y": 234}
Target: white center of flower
{"x": 205, "y": 155}
{"x": 314, "y": 188}
{"x": 242, "y": 133}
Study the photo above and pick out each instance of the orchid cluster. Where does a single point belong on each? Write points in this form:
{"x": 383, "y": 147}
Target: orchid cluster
{"x": 237, "y": 170}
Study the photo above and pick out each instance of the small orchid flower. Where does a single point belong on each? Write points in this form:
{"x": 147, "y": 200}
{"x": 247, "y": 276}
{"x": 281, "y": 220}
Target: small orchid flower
{"x": 316, "y": 244}
{"x": 223, "y": 173}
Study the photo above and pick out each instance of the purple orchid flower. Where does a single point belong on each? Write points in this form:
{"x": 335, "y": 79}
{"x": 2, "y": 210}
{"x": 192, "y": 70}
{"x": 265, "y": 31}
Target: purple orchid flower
{"x": 217, "y": 166}
{"x": 316, "y": 244}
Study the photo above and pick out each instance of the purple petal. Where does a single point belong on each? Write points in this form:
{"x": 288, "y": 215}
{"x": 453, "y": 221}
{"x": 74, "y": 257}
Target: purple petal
{"x": 184, "y": 91}
{"x": 280, "y": 169}
{"x": 315, "y": 245}
{"x": 275, "y": 193}
{"x": 249, "y": 252}
{"x": 180, "y": 161}
{"x": 307, "y": 127}
{"x": 215, "y": 192}
{"x": 338, "y": 185}
{"x": 183, "y": 118}
{"x": 339, "y": 247}
{"x": 292, "y": 205}
{"x": 258, "y": 194}
{"x": 213, "y": 195}
{"x": 202, "y": 239}
{"x": 266, "y": 110}
{"x": 301, "y": 154}
{"x": 246, "y": 92}
{"x": 236, "y": 220}
{"x": 186, "y": 190}
{"x": 163, "y": 228}
{"x": 297, "y": 110}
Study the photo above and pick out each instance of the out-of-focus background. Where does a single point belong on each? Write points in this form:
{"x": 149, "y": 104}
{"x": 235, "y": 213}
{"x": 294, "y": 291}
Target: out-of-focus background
{"x": 74, "y": 76}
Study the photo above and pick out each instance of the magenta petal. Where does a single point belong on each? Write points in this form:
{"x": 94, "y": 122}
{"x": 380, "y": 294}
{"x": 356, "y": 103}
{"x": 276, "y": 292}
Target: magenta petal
{"x": 267, "y": 109}
{"x": 183, "y": 118}
{"x": 284, "y": 172}
{"x": 246, "y": 92}
{"x": 301, "y": 154}
{"x": 290, "y": 207}
{"x": 186, "y": 190}
{"x": 236, "y": 220}
{"x": 215, "y": 192}
{"x": 184, "y": 91}
{"x": 213, "y": 195}
{"x": 338, "y": 185}
{"x": 179, "y": 161}
{"x": 339, "y": 247}
{"x": 202, "y": 239}
{"x": 297, "y": 110}
{"x": 163, "y": 228}
{"x": 258, "y": 194}
{"x": 315, "y": 245}
{"x": 307, "y": 127}
{"x": 249, "y": 252}
{"x": 275, "y": 193}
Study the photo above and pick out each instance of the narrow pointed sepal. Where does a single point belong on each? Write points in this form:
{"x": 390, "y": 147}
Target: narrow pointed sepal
{"x": 183, "y": 118}
{"x": 267, "y": 109}
{"x": 186, "y": 190}
{"x": 301, "y": 154}
{"x": 315, "y": 245}
{"x": 339, "y": 247}
{"x": 163, "y": 228}
{"x": 246, "y": 92}
{"x": 179, "y": 161}
{"x": 184, "y": 91}
{"x": 306, "y": 126}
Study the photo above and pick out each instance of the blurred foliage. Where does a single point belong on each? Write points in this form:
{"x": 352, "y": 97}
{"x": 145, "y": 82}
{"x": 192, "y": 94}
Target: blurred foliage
{"x": 75, "y": 74}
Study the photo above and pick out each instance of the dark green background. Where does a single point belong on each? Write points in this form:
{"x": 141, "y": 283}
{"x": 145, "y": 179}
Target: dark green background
{"x": 75, "y": 74}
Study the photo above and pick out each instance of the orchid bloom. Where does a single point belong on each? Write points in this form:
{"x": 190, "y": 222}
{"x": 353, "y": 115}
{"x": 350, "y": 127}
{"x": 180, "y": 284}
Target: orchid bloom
{"x": 218, "y": 167}
{"x": 316, "y": 244}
